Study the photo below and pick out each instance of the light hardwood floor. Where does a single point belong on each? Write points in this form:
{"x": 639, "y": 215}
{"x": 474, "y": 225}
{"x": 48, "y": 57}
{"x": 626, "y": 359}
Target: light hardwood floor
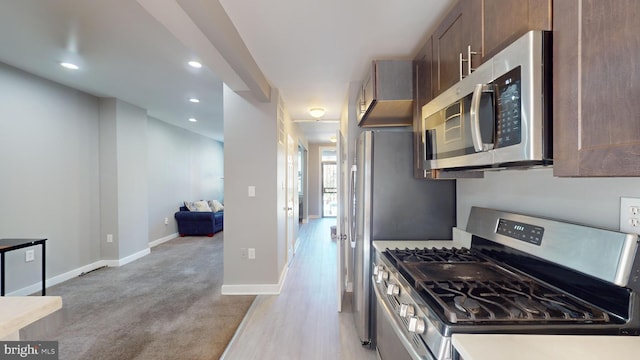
{"x": 302, "y": 322}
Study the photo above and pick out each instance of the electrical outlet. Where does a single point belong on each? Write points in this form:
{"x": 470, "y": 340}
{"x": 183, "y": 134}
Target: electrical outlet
{"x": 243, "y": 253}
{"x": 166, "y": 221}
{"x": 630, "y": 215}
{"x": 252, "y": 253}
{"x": 109, "y": 238}
{"x": 29, "y": 255}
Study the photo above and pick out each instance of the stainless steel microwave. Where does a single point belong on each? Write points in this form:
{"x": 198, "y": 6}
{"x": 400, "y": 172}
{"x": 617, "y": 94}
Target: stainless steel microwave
{"x": 498, "y": 116}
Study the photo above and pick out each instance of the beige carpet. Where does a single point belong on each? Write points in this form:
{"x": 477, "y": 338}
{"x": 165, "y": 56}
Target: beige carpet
{"x": 166, "y": 305}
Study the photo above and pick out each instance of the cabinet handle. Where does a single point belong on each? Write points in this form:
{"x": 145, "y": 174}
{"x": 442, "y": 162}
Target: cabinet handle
{"x": 468, "y": 61}
{"x": 469, "y": 53}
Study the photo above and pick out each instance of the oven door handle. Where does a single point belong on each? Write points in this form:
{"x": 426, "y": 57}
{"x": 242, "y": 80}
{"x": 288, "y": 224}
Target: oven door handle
{"x": 474, "y": 115}
{"x": 397, "y": 326}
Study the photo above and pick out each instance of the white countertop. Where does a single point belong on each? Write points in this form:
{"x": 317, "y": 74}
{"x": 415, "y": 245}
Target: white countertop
{"x": 17, "y": 312}
{"x": 547, "y": 347}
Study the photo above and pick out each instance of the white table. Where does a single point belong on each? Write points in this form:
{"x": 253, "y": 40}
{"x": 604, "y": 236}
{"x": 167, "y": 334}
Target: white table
{"x": 17, "y": 312}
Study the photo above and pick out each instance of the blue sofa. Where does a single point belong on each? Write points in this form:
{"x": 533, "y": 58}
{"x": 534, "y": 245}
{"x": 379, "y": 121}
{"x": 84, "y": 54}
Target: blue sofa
{"x": 195, "y": 223}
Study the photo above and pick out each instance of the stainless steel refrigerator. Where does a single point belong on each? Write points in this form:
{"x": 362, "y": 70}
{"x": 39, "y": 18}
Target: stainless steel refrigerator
{"x": 388, "y": 203}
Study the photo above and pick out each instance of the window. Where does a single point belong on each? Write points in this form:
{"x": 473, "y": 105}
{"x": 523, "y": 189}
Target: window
{"x": 329, "y": 183}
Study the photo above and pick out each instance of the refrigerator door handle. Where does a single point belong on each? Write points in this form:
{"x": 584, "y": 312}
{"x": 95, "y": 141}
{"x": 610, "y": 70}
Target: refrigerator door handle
{"x": 352, "y": 202}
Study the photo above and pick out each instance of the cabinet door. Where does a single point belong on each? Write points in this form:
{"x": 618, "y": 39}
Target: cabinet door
{"x": 448, "y": 41}
{"x": 506, "y": 21}
{"x": 595, "y": 102}
{"x": 360, "y": 105}
{"x": 421, "y": 95}
{"x": 368, "y": 87}
{"x": 459, "y": 30}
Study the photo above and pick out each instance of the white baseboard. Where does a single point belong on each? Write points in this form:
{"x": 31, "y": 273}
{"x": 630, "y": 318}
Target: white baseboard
{"x": 31, "y": 289}
{"x": 162, "y": 240}
{"x": 256, "y": 289}
{"x": 295, "y": 248}
{"x": 127, "y": 259}
{"x": 58, "y": 279}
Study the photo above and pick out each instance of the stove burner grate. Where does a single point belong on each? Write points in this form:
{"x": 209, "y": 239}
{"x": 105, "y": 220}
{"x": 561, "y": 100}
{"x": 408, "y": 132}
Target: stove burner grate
{"x": 434, "y": 255}
{"x": 500, "y": 301}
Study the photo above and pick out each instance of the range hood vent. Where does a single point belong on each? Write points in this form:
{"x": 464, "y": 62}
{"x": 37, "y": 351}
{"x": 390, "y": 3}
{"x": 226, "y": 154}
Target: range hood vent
{"x": 386, "y": 96}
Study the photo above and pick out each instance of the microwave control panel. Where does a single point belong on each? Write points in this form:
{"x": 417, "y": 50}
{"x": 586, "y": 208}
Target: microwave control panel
{"x": 508, "y": 109}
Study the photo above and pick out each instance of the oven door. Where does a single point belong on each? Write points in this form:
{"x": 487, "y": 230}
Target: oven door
{"x": 391, "y": 342}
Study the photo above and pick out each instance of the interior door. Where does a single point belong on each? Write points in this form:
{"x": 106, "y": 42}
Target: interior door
{"x": 340, "y": 239}
{"x": 292, "y": 197}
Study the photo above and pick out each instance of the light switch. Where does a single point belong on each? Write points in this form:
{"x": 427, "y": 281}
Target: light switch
{"x": 252, "y": 191}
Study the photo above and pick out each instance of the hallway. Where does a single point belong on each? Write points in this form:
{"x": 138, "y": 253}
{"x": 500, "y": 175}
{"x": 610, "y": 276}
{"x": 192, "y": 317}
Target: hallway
{"x": 302, "y": 322}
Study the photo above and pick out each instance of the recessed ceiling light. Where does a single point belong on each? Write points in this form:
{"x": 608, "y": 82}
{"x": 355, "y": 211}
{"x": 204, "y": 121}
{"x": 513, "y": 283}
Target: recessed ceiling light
{"x": 194, "y": 100}
{"x": 69, "y": 66}
{"x": 193, "y": 119}
{"x": 195, "y": 64}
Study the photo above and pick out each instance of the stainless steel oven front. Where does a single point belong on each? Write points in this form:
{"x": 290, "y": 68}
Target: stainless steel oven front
{"x": 403, "y": 329}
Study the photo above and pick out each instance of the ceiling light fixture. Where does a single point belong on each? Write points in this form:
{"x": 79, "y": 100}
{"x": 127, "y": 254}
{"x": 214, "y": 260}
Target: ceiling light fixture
{"x": 333, "y": 139}
{"x": 69, "y": 66}
{"x": 195, "y": 64}
{"x": 316, "y": 112}
{"x": 193, "y": 119}
{"x": 194, "y": 100}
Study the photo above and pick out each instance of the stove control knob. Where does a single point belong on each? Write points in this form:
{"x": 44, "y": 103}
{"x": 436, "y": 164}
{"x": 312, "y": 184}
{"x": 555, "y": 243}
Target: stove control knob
{"x": 416, "y": 325}
{"x": 382, "y": 275}
{"x": 377, "y": 269}
{"x": 393, "y": 289}
{"x": 407, "y": 310}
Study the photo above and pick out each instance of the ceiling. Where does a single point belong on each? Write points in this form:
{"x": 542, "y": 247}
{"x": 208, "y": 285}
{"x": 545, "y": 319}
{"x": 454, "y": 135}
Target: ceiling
{"x": 136, "y": 51}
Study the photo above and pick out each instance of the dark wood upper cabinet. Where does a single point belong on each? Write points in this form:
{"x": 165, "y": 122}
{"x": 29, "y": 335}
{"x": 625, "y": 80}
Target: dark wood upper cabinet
{"x": 451, "y": 41}
{"x": 596, "y": 47}
{"x": 421, "y": 95}
{"x": 505, "y": 21}
{"x": 596, "y": 79}
{"x": 475, "y": 30}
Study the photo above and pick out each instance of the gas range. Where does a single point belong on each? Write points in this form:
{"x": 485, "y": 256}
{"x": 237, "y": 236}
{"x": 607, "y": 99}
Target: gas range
{"x": 520, "y": 275}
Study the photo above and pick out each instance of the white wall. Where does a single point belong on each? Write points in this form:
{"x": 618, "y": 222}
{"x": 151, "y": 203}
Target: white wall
{"x": 61, "y": 150}
{"x": 123, "y": 179}
{"x": 49, "y": 164}
{"x": 108, "y": 178}
{"x": 590, "y": 201}
{"x": 183, "y": 166}
{"x": 250, "y": 132}
{"x": 133, "y": 197}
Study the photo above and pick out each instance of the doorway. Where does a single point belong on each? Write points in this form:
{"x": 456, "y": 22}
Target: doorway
{"x": 302, "y": 184}
{"x": 329, "y": 183}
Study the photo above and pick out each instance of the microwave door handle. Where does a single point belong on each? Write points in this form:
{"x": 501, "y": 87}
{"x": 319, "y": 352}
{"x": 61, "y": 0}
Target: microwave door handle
{"x": 474, "y": 114}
